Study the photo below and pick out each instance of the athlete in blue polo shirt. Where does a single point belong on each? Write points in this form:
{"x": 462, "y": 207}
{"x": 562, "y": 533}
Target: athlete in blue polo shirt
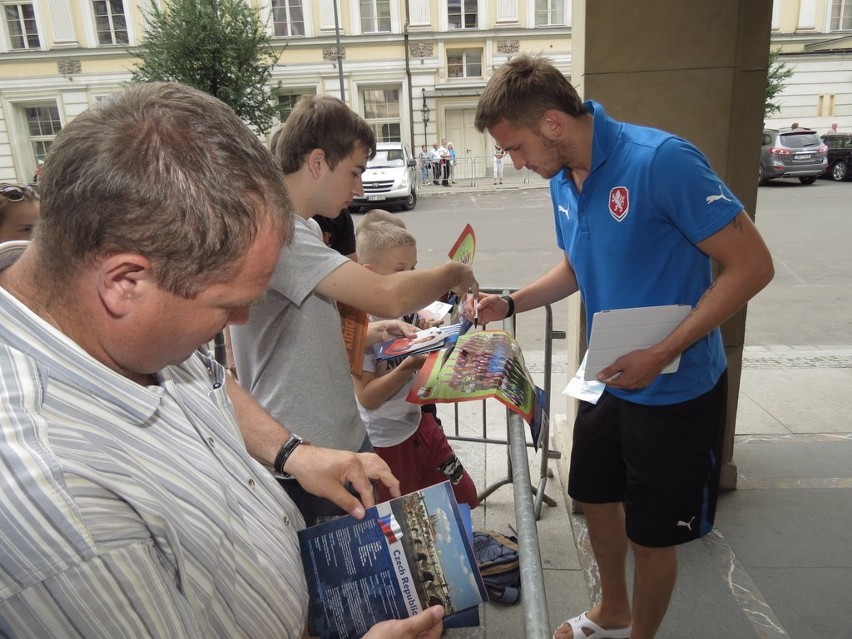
{"x": 639, "y": 215}
{"x": 662, "y": 198}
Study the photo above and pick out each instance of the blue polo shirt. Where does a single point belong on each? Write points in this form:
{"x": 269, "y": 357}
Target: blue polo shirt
{"x": 630, "y": 237}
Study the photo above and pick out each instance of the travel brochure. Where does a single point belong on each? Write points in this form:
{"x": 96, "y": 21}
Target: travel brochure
{"x": 406, "y": 555}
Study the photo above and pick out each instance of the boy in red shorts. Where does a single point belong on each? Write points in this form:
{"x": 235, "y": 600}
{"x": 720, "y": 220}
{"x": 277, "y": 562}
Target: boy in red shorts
{"x": 410, "y": 441}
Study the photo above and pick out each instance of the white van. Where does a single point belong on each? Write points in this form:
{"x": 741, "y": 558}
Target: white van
{"x": 389, "y": 179}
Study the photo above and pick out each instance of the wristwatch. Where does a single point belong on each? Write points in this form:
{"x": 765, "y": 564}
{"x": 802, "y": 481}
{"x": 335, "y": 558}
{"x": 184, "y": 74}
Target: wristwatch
{"x": 508, "y": 299}
{"x": 284, "y": 454}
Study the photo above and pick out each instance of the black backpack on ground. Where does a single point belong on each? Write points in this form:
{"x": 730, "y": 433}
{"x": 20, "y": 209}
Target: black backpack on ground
{"x": 497, "y": 557}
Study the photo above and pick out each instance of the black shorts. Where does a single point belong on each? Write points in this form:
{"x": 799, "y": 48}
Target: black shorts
{"x": 663, "y": 462}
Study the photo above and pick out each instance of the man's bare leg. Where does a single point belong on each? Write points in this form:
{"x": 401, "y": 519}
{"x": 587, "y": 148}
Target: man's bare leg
{"x": 609, "y": 545}
{"x": 654, "y": 576}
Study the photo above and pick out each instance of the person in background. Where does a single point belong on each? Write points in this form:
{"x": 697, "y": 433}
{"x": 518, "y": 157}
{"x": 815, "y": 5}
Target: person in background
{"x": 135, "y": 500}
{"x": 425, "y": 164}
{"x": 639, "y": 214}
{"x": 451, "y": 162}
{"x": 444, "y": 154}
{"x": 19, "y": 209}
{"x": 338, "y": 233}
{"x": 411, "y": 441}
{"x": 437, "y": 163}
{"x": 39, "y": 170}
{"x": 831, "y": 129}
{"x": 498, "y": 164}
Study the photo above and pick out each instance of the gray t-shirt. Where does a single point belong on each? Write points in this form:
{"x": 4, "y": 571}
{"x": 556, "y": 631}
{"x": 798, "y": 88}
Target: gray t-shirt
{"x": 290, "y": 354}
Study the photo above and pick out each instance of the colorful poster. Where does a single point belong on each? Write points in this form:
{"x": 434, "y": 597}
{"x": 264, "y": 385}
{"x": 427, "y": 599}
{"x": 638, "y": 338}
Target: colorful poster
{"x": 481, "y": 365}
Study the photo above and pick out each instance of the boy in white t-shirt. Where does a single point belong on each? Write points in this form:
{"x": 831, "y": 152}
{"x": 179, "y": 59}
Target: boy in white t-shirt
{"x": 411, "y": 442}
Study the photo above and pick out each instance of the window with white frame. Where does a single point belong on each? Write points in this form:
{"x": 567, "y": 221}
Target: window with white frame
{"x": 287, "y": 101}
{"x": 288, "y": 19}
{"x": 381, "y": 111}
{"x": 549, "y": 13}
{"x": 464, "y": 63}
{"x": 43, "y": 124}
{"x": 21, "y": 22}
{"x": 375, "y": 16}
{"x": 841, "y": 15}
{"x": 462, "y": 14}
{"x": 110, "y": 21}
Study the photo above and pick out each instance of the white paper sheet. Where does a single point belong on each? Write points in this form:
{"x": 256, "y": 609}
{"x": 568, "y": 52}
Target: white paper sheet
{"x": 618, "y": 332}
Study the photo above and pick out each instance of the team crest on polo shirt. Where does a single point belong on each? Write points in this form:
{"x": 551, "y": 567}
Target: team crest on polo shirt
{"x": 619, "y": 202}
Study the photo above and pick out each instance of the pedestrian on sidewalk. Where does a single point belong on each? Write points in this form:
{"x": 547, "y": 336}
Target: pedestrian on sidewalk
{"x": 437, "y": 168}
{"x": 498, "y": 164}
{"x": 425, "y": 164}
{"x": 639, "y": 216}
{"x": 444, "y": 154}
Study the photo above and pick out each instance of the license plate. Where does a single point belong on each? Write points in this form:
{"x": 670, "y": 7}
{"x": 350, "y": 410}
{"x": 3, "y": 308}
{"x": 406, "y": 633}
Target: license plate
{"x": 806, "y": 156}
{"x": 375, "y": 198}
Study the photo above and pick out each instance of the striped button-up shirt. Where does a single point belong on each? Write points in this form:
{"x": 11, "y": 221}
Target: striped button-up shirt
{"x": 133, "y": 512}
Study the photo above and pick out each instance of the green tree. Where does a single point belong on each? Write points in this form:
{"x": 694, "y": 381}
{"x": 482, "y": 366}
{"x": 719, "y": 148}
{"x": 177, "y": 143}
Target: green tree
{"x": 776, "y": 80}
{"x": 218, "y": 46}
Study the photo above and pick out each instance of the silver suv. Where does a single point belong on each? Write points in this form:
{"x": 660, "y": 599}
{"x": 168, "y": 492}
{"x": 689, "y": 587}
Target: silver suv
{"x": 389, "y": 178}
{"x": 791, "y": 153}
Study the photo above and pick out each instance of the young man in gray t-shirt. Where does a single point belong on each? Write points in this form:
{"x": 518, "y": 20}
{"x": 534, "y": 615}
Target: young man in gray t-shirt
{"x": 290, "y": 354}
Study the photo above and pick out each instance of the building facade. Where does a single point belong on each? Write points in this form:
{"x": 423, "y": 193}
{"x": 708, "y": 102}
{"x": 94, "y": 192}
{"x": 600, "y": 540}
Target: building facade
{"x": 815, "y": 40}
{"x": 413, "y": 69}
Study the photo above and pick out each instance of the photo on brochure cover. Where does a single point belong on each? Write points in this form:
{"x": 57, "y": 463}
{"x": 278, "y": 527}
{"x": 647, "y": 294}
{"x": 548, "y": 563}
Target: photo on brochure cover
{"x": 406, "y": 555}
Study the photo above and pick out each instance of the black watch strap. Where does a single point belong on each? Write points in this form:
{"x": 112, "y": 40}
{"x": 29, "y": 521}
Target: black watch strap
{"x": 508, "y": 299}
{"x": 284, "y": 453}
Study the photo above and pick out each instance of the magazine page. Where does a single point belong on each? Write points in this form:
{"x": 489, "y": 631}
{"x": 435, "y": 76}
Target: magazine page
{"x": 405, "y": 555}
{"x": 435, "y": 312}
{"x": 481, "y": 365}
{"x": 425, "y": 341}
{"x": 353, "y": 324}
{"x": 464, "y": 248}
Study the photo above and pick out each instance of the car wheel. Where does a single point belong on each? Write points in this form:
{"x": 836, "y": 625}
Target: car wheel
{"x": 808, "y": 180}
{"x": 411, "y": 202}
{"x": 839, "y": 171}
{"x": 761, "y": 177}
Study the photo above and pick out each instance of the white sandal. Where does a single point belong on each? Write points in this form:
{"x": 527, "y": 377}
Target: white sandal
{"x": 581, "y": 623}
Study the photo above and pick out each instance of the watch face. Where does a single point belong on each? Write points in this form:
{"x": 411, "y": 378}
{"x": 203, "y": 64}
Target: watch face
{"x": 284, "y": 453}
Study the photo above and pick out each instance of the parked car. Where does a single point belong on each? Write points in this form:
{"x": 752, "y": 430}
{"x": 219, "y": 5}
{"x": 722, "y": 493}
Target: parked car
{"x": 389, "y": 178}
{"x": 791, "y": 153}
{"x": 839, "y": 156}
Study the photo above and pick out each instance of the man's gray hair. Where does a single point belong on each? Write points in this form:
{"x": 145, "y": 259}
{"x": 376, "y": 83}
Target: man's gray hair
{"x": 165, "y": 171}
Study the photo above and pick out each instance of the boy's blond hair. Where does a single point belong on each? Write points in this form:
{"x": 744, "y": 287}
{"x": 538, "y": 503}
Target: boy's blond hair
{"x": 377, "y": 232}
{"x": 375, "y": 215}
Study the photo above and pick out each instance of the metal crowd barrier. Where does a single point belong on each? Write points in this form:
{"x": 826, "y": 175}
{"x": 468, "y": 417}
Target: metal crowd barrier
{"x": 528, "y": 498}
{"x": 472, "y": 170}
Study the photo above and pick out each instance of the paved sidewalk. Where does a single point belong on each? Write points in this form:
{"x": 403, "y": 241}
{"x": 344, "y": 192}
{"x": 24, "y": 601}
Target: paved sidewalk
{"x": 778, "y": 564}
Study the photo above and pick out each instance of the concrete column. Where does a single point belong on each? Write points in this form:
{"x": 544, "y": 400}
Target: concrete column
{"x": 697, "y": 69}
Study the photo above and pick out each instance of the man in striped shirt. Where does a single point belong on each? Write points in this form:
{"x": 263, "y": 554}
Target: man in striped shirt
{"x": 132, "y": 503}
